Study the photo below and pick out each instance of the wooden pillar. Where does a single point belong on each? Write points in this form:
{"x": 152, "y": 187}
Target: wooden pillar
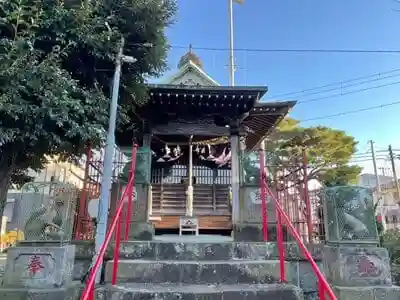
{"x": 189, "y": 191}
{"x": 235, "y": 171}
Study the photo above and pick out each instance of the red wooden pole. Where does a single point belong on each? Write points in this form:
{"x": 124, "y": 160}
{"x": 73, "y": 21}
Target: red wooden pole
{"x": 130, "y": 195}
{"x": 279, "y": 238}
{"x": 263, "y": 193}
{"x": 307, "y": 197}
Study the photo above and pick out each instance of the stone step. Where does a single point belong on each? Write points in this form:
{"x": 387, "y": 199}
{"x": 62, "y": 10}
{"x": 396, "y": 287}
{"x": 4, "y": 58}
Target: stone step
{"x": 159, "y": 250}
{"x": 200, "y": 292}
{"x": 198, "y": 272}
{"x": 66, "y": 293}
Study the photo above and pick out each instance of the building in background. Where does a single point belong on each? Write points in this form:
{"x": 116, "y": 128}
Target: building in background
{"x": 390, "y": 205}
{"x": 369, "y": 180}
{"x": 55, "y": 171}
{"x": 388, "y": 202}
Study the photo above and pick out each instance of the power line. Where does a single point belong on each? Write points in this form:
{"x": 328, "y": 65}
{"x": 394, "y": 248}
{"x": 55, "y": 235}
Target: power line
{"x": 364, "y": 160}
{"x": 339, "y": 83}
{"x": 377, "y": 51}
{"x": 350, "y": 112}
{"x": 349, "y": 92}
{"x": 367, "y": 156}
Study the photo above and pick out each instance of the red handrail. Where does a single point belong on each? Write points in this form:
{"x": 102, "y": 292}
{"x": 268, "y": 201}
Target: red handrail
{"x": 324, "y": 287}
{"x": 281, "y": 247}
{"x": 88, "y": 291}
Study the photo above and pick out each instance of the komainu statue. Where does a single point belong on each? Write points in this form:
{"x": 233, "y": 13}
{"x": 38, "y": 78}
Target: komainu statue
{"x": 46, "y": 223}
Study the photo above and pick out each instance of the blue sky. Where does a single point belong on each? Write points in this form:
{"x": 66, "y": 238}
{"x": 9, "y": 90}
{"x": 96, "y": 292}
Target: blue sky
{"x": 306, "y": 24}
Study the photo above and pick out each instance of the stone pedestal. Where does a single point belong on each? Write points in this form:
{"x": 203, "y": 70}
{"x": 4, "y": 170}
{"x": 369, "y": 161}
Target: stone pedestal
{"x": 39, "y": 272}
{"x": 140, "y": 227}
{"x": 357, "y": 266}
{"x": 249, "y": 227}
{"x": 367, "y": 293}
{"x": 141, "y": 231}
{"x": 359, "y": 272}
{"x": 354, "y": 265}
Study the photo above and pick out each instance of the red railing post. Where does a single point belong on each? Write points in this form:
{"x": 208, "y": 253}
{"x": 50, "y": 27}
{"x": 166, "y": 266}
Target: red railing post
{"x": 307, "y": 197}
{"x": 281, "y": 247}
{"x": 263, "y": 192}
{"x": 116, "y": 253}
{"x": 130, "y": 195}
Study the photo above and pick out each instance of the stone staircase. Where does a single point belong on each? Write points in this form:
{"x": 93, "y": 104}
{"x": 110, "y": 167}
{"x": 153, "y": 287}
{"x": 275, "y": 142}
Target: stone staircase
{"x": 198, "y": 270}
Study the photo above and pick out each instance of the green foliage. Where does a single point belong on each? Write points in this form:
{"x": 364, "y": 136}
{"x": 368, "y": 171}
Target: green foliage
{"x": 391, "y": 241}
{"x": 328, "y": 151}
{"x": 56, "y": 69}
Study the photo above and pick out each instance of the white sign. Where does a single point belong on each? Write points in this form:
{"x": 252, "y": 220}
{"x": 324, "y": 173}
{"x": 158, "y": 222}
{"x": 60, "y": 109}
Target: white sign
{"x": 93, "y": 208}
{"x": 188, "y": 224}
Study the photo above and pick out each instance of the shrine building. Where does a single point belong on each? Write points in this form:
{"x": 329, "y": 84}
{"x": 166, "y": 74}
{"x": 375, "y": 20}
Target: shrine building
{"x": 195, "y": 132}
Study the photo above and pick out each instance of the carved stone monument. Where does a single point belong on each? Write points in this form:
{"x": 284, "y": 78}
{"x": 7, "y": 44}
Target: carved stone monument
{"x": 41, "y": 266}
{"x": 354, "y": 264}
{"x": 249, "y": 227}
{"x": 140, "y": 227}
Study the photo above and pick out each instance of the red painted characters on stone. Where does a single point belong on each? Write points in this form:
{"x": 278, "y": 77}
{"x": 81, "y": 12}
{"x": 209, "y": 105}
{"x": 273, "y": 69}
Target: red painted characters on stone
{"x": 35, "y": 265}
{"x": 366, "y": 266}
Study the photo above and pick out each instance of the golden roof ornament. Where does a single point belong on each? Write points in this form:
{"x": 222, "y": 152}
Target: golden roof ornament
{"x": 190, "y": 56}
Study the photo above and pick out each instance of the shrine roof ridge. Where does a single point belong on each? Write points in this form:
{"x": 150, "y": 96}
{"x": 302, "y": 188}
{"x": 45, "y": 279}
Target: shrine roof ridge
{"x": 261, "y": 90}
{"x": 277, "y": 103}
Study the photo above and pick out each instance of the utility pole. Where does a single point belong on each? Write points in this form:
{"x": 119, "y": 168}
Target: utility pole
{"x": 396, "y": 182}
{"x": 378, "y": 182}
{"x": 101, "y": 228}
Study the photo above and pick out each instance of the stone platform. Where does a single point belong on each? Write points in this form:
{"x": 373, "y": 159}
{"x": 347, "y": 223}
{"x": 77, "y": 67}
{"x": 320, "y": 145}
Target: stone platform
{"x": 368, "y": 293}
{"x": 198, "y": 267}
{"x": 39, "y": 272}
{"x": 200, "y": 292}
{"x": 210, "y": 250}
{"x": 193, "y": 272}
{"x": 66, "y": 293}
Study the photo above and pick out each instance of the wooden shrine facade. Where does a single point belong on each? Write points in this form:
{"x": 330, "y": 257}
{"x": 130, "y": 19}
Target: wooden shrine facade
{"x": 196, "y": 135}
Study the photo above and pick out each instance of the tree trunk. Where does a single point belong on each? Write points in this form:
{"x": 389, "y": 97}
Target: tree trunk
{"x": 7, "y": 166}
{"x": 5, "y": 181}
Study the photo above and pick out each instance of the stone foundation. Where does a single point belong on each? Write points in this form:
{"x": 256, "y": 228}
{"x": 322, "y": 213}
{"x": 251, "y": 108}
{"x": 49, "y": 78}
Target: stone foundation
{"x": 201, "y": 292}
{"x": 141, "y": 231}
{"x": 247, "y": 232}
{"x": 359, "y": 272}
{"x": 357, "y": 266}
{"x": 67, "y": 293}
{"x": 368, "y": 293}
